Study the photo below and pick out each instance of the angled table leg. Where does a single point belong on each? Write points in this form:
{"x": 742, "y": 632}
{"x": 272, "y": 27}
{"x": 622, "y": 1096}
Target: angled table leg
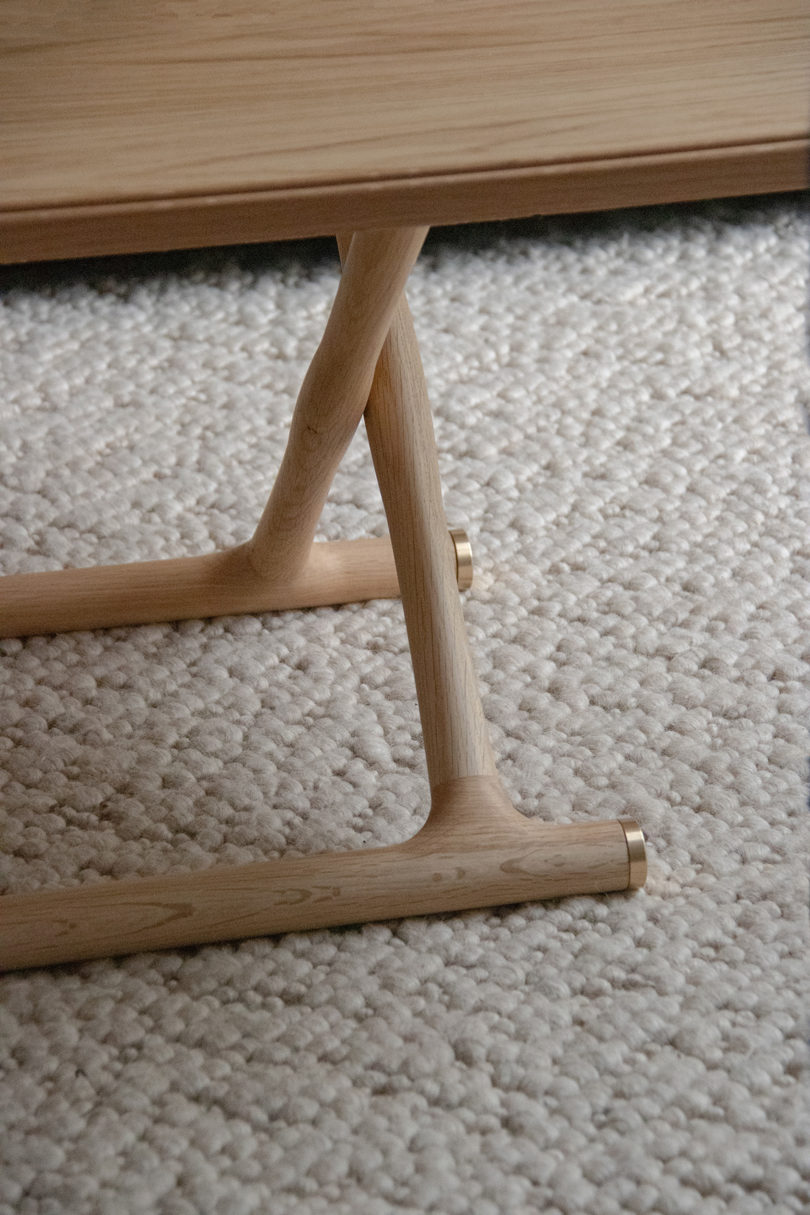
{"x": 475, "y": 849}
{"x": 468, "y": 802}
{"x": 280, "y": 567}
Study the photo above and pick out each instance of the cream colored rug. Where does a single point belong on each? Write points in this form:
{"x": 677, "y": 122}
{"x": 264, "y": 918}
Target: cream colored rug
{"x": 619, "y": 410}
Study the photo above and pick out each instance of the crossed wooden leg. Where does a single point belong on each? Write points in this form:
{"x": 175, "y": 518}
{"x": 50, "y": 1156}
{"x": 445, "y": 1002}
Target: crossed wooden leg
{"x": 475, "y": 849}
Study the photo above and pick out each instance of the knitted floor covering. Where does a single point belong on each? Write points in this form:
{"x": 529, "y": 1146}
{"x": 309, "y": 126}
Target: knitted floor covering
{"x": 619, "y": 407}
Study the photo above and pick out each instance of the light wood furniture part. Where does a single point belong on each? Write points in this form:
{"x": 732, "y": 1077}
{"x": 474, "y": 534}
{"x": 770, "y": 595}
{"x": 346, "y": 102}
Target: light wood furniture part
{"x": 146, "y": 126}
{"x": 157, "y": 124}
{"x": 475, "y": 848}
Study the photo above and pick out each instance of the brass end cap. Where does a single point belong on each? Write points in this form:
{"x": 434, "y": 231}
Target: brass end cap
{"x": 464, "y": 559}
{"x": 636, "y": 853}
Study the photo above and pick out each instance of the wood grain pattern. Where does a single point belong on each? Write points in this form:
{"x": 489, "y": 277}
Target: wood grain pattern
{"x": 279, "y": 567}
{"x": 476, "y": 851}
{"x": 400, "y": 433}
{"x": 162, "y": 123}
{"x": 333, "y": 397}
{"x": 192, "y": 588}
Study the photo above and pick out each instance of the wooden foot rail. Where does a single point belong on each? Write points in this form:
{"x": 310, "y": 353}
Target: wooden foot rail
{"x": 192, "y": 588}
{"x": 475, "y": 849}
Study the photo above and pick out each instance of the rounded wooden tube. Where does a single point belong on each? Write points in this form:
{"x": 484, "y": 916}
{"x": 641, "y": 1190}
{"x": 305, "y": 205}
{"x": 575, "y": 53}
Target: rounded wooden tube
{"x": 186, "y": 588}
{"x": 400, "y": 434}
{"x": 333, "y": 395}
{"x": 488, "y": 856}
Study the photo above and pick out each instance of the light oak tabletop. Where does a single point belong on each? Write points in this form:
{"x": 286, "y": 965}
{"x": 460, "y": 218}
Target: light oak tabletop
{"x": 160, "y": 123}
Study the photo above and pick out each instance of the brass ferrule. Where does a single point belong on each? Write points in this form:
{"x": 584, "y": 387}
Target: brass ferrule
{"x": 636, "y": 853}
{"x": 464, "y": 559}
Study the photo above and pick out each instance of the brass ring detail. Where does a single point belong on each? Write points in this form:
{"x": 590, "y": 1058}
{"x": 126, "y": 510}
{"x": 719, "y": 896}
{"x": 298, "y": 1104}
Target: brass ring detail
{"x": 636, "y": 853}
{"x": 464, "y": 558}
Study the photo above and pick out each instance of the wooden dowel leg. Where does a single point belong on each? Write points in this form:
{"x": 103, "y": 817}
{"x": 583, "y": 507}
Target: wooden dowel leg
{"x": 400, "y": 433}
{"x": 333, "y": 396}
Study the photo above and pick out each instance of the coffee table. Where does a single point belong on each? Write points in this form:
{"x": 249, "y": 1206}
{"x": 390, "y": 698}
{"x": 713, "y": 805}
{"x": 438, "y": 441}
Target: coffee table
{"x": 148, "y": 126}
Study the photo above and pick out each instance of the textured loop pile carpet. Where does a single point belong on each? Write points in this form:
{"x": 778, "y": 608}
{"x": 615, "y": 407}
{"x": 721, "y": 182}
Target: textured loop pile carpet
{"x": 619, "y": 407}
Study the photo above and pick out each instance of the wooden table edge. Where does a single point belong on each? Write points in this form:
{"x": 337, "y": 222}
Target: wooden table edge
{"x": 154, "y": 224}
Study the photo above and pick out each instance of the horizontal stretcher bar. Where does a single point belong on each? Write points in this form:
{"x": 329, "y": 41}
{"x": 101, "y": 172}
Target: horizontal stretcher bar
{"x": 487, "y": 855}
{"x": 216, "y": 584}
